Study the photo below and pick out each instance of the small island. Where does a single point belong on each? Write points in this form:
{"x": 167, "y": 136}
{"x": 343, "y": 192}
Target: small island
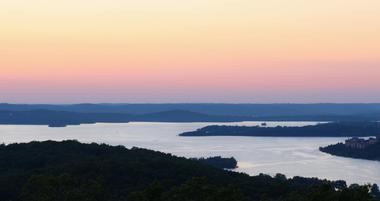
{"x": 57, "y": 125}
{"x": 219, "y": 162}
{"x": 356, "y": 148}
{"x": 334, "y": 129}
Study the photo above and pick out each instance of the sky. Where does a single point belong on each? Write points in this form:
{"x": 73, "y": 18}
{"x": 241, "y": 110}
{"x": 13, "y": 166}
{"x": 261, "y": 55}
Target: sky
{"x": 153, "y": 51}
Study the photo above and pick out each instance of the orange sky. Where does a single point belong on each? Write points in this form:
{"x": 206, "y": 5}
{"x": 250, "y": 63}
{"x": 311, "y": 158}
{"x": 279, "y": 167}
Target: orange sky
{"x": 189, "y": 51}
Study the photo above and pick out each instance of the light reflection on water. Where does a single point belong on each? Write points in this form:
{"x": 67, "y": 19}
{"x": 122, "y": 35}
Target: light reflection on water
{"x": 291, "y": 156}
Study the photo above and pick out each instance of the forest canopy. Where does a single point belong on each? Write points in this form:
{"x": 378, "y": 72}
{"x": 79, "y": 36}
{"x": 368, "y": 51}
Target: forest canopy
{"x": 69, "y": 170}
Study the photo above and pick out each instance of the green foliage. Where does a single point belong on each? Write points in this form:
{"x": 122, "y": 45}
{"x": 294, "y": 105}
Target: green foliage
{"x": 371, "y": 152}
{"x": 71, "y": 171}
{"x": 332, "y": 129}
{"x": 196, "y": 189}
{"x": 61, "y": 188}
{"x": 219, "y": 162}
{"x": 375, "y": 192}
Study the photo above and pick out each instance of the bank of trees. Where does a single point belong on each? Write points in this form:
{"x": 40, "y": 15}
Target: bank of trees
{"x": 334, "y": 129}
{"x": 219, "y": 162}
{"x": 71, "y": 171}
{"x": 371, "y": 152}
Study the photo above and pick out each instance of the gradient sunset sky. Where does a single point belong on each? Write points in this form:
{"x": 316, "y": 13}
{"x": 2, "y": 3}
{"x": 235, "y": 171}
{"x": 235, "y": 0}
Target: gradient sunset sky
{"x": 252, "y": 51}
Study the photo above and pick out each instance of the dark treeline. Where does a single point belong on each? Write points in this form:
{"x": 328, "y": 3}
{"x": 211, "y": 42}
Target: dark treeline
{"x": 336, "y": 129}
{"x": 219, "y": 162}
{"x": 69, "y": 170}
{"x": 372, "y": 152}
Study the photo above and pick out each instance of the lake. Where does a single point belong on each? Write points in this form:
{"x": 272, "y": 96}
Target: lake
{"x": 270, "y": 155}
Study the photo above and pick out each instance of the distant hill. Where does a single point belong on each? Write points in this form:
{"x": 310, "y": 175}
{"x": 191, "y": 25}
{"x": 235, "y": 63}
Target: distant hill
{"x": 336, "y": 129}
{"x": 62, "y": 118}
{"x": 59, "y": 115}
{"x": 257, "y": 110}
{"x": 187, "y": 116}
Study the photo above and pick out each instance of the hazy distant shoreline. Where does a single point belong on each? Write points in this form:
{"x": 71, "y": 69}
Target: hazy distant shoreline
{"x": 76, "y": 114}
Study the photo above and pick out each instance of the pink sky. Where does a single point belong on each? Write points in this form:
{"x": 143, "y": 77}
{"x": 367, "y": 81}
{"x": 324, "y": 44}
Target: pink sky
{"x": 198, "y": 51}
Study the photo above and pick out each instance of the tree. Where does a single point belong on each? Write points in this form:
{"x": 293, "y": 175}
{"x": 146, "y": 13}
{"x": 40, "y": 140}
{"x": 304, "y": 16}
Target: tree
{"x": 375, "y": 192}
{"x": 60, "y": 188}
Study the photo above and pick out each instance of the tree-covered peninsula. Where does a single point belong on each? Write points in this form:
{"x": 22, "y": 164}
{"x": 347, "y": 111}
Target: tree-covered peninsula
{"x": 334, "y": 129}
{"x": 356, "y": 148}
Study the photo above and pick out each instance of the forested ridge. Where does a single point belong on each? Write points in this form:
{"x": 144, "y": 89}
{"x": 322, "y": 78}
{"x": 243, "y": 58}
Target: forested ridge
{"x": 63, "y": 115}
{"x": 63, "y": 118}
{"x": 72, "y": 171}
{"x": 333, "y": 129}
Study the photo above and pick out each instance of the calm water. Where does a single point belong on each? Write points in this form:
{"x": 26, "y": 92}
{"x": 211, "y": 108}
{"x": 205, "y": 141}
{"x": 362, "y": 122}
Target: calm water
{"x": 269, "y": 155}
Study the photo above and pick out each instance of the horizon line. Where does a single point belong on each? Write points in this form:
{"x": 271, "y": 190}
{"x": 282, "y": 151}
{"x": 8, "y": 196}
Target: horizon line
{"x": 196, "y": 103}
